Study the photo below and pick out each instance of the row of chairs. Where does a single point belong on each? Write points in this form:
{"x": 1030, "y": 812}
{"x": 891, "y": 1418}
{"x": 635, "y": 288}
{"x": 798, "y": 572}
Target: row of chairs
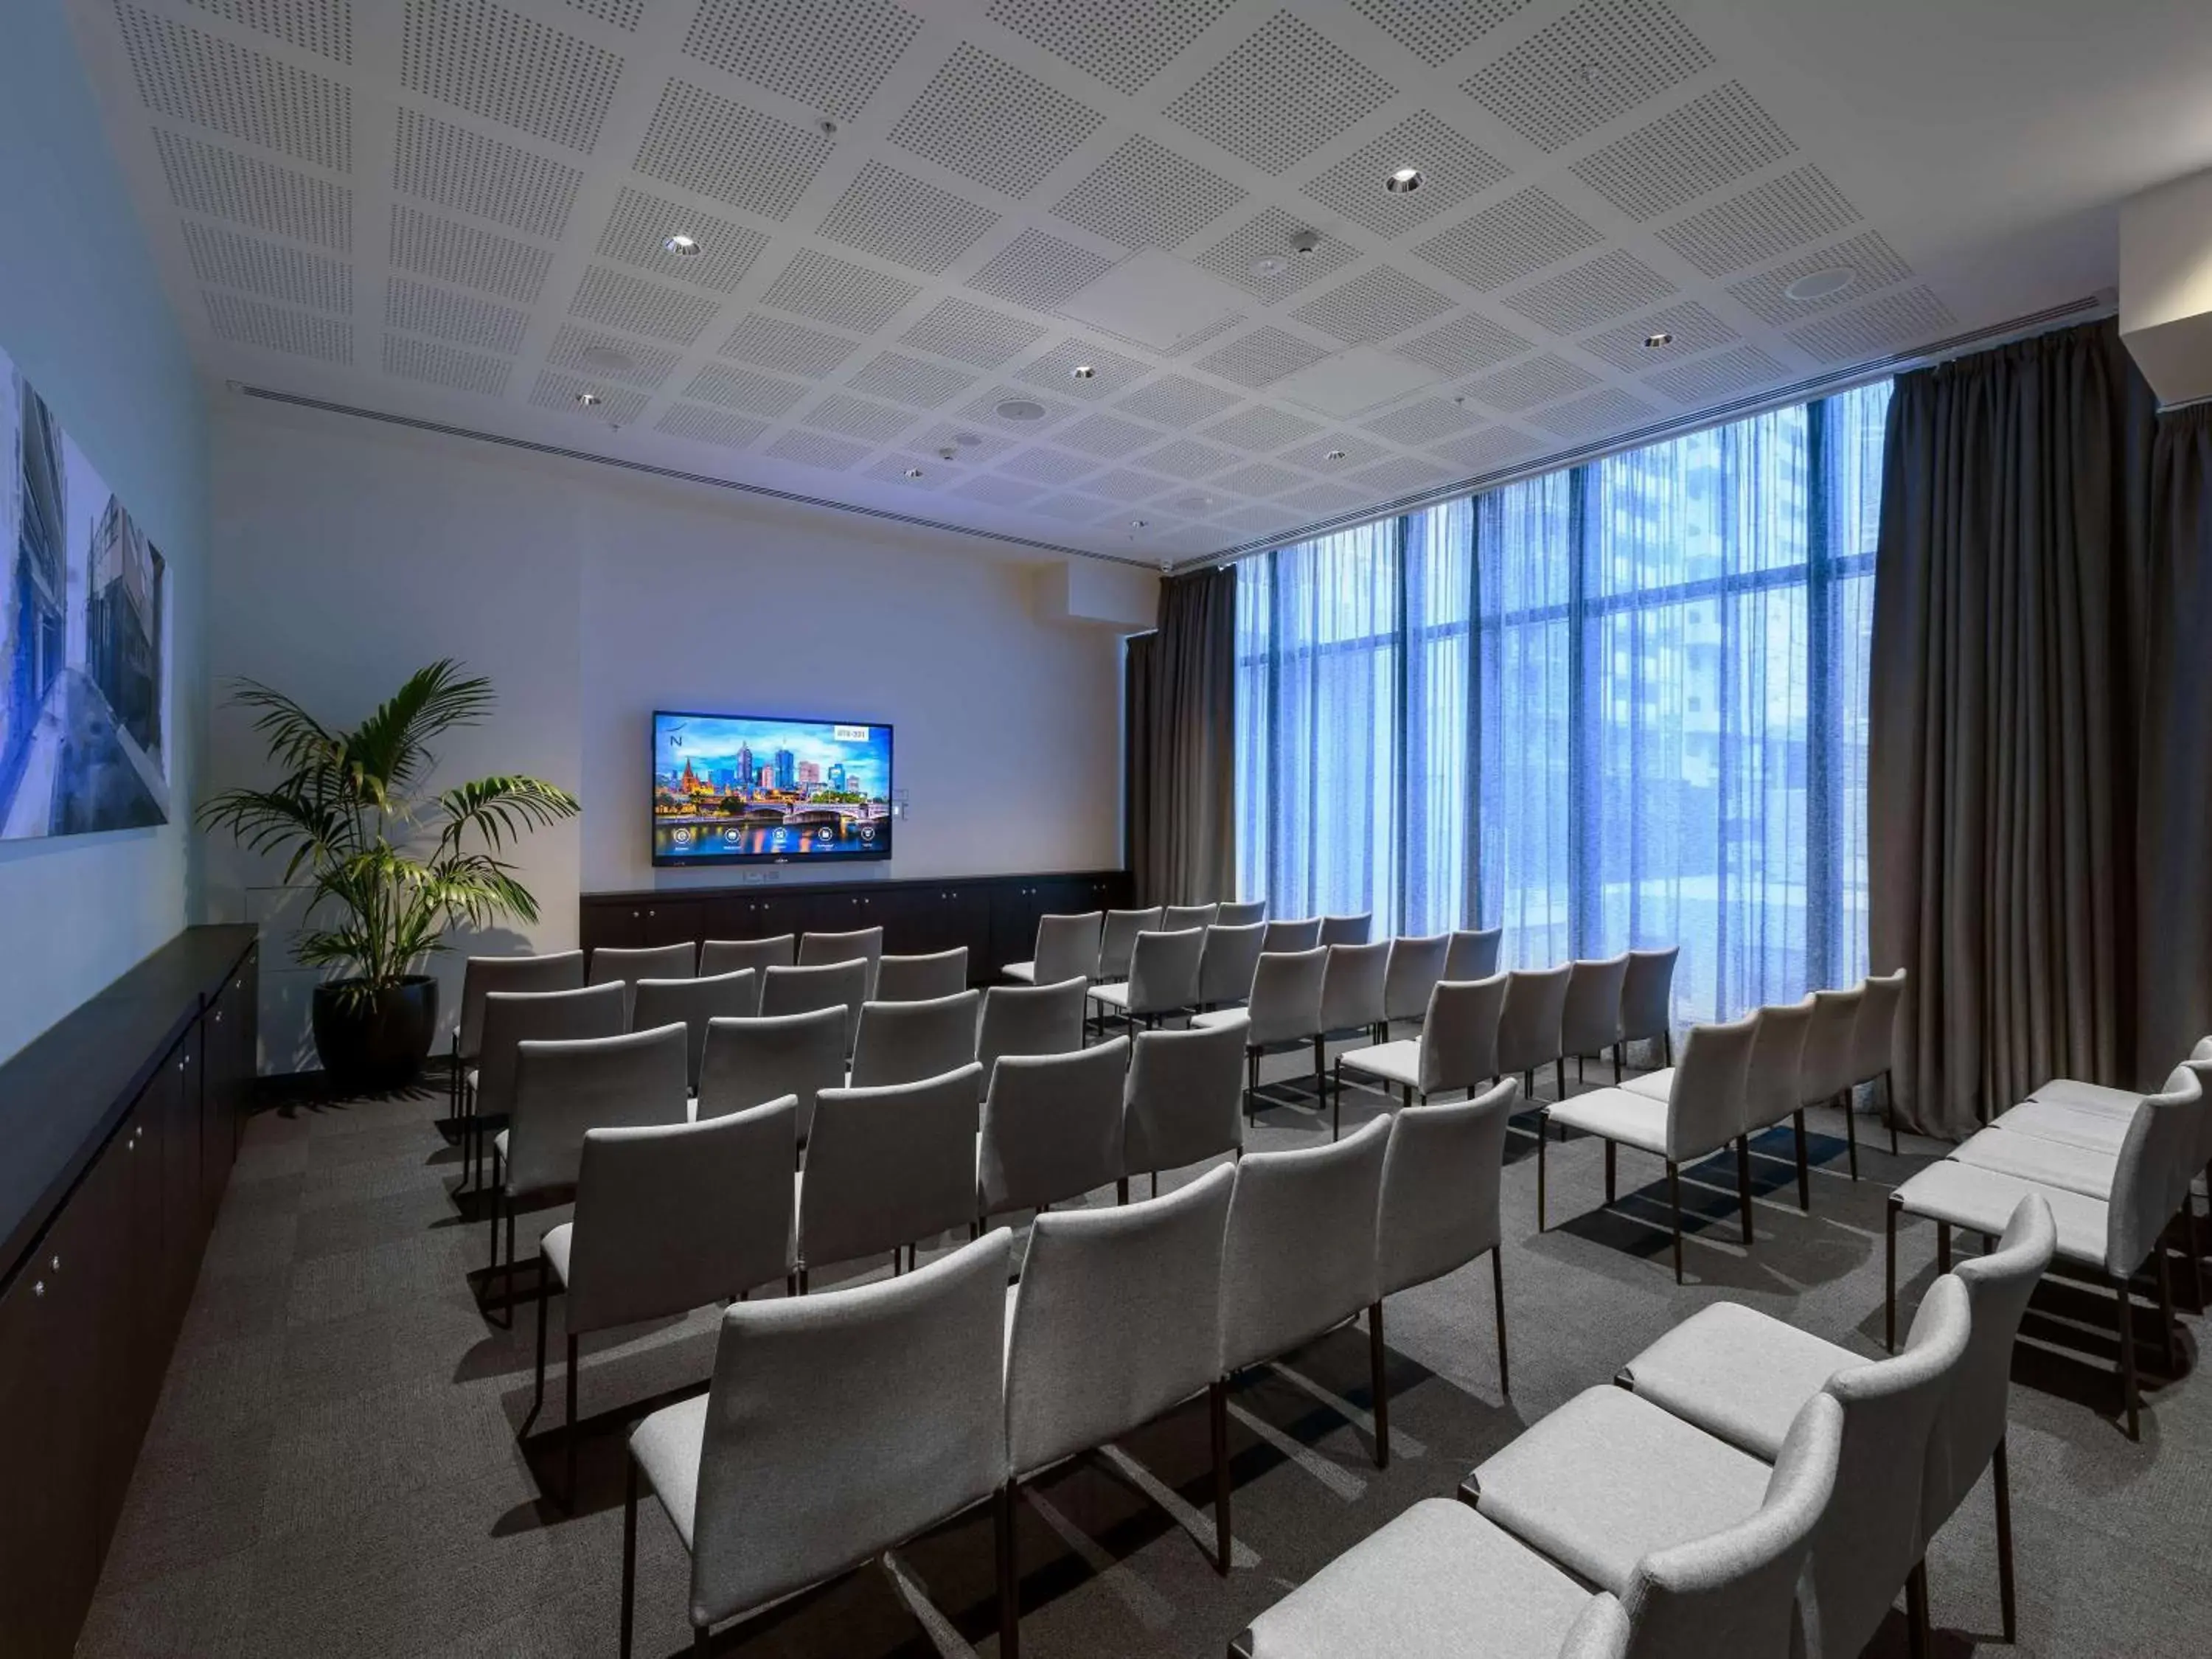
{"x": 1745, "y": 1489}
{"x": 1098, "y": 944}
{"x": 960, "y": 1389}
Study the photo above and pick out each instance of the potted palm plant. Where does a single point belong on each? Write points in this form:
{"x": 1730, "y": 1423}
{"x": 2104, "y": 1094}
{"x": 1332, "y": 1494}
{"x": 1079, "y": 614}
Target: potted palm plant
{"x": 392, "y": 865}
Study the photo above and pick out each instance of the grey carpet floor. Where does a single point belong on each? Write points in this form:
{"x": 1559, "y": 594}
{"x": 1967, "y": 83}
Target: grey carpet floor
{"x": 332, "y": 1470}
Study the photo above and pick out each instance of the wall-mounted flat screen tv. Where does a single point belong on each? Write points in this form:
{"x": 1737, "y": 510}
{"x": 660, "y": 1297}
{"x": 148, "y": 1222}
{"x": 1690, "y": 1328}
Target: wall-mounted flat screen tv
{"x": 752, "y": 789}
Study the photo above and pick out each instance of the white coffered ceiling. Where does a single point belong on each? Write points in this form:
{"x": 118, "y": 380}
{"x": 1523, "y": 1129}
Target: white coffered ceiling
{"x": 910, "y": 215}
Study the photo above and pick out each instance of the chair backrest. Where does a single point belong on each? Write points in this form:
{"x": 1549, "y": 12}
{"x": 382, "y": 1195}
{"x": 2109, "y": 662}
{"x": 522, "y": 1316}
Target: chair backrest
{"x": 2158, "y": 1159}
{"x": 1285, "y": 1001}
{"x": 1528, "y": 1020}
{"x": 482, "y": 975}
{"x": 843, "y": 1423}
{"x": 1241, "y": 913}
{"x": 1473, "y": 953}
{"x": 1300, "y": 1250}
{"x": 610, "y": 963}
{"x": 802, "y": 989}
{"x": 1705, "y": 1110}
{"x": 1346, "y": 930}
{"x": 750, "y": 1062}
{"x": 1067, "y": 948}
{"x": 1185, "y": 1096}
{"x": 862, "y": 945}
{"x": 727, "y": 956}
{"x": 1440, "y": 1182}
{"x": 1589, "y": 1018}
{"x": 907, "y": 1042}
{"x": 888, "y": 1166}
{"x": 692, "y": 1003}
{"x": 515, "y": 1017}
{"x": 1118, "y": 940}
{"x": 1416, "y": 965}
{"x": 1284, "y": 939}
{"x": 919, "y": 979}
{"x": 1873, "y": 1033}
{"x": 1972, "y": 1418}
{"x": 562, "y": 1088}
{"x": 1163, "y": 970}
{"x": 1052, "y": 1128}
{"x": 1824, "y": 1065}
{"x": 1174, "y": 918}
{"x": 1351, "y": 984}
{"x": 1224, "y": 967}
{"x": 1030, "y": 1019}
{"x": 1647, "y": 994}
{"x": 1771, "y": 1089}
{"x": 672, "y": 1216}
{"x": 1118, "y": 1317}
{"x": 1459, "y": 1034}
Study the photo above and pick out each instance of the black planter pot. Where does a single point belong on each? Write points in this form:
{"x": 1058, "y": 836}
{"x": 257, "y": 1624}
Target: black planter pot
{"x": 376, "y": 1040}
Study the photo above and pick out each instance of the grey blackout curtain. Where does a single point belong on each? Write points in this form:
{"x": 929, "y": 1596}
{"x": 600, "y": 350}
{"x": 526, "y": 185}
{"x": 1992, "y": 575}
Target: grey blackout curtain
{"x": 1181, "y": 719}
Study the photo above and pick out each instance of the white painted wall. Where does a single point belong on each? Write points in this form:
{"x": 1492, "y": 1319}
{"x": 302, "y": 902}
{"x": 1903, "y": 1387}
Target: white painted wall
{"x": 350, "y": 553}
{"x": 82, "y": 314}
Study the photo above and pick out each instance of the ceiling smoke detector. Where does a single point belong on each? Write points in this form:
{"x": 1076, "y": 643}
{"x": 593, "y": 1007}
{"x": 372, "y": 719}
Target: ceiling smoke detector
{"x": 1820, "y": 284}
{"x": 684, "y": 246}
{"x": 1653, "y": 341}
{"x": 1404, "y": 181}
{"x": 1020, "y": 409}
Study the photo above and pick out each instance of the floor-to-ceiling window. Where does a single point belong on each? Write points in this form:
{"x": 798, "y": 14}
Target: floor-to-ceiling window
{"x": 1621, "y": 705}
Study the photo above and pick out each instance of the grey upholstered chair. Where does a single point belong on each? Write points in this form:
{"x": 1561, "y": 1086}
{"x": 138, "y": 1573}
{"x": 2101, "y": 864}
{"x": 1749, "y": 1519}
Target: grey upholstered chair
{"x": 864, "y": 945}
{"x": 1441, "y": 1582}
{"x": 611, "y": 965}
{"x": 1226, "y": 964}
{"x": 1702, "y": 1114}
{"x": 1067, "y": 948}
{"x": 1184, "y": 1099}
{"x": 1529, "y": 1024}
{"x": 1299, "y": 1258}
{"x": 1474, "y": 953}
{"x": 1240, "y": 913}
{"x": 727, "y": 956}
{"x": 1351, "y": 986}
{"x": 1874, "y": 1040}
{"x": 1283, "y": 1012}
{"x": 759, "y": 1475}
{"x": 1284, "y": 939}
{"x": 749, "y": 1062}
{"x": 1163, "y": 978}
{"x": 511, "y": 1018}
{"x": 1824, "y": 1064}
{"x": 692, "y": 1004}
{"x": 1439, "y": 1209}
{"x": 1347, "y": 929}
{"x": 886, "y": 1168}
{"x": 1052, "y": 1128}
{"x": 1415, "y": 966}
{"x": 1457, "y": 1047}
{"x": 802, "y": 989}
{"x": 1772, "y": 1093}
{"x": 669, "y": 1218}
{"x": 1589, "y": 1018}
{"x": 480, "y": 977}
{"x": 1030, "y": 1019}
{"x": 907, "y": 1042}
{"x": 1117, "y": 1320}
{"x": 1175, "y": 918}
{"x": 1647, "y": 1000}
{"x": 921, "y": 979}
{"x": 1117, "y": 941}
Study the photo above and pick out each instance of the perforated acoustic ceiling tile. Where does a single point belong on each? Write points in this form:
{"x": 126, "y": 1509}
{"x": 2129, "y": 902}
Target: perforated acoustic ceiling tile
{"x": 1254, "y": 520}
{"x": 1124, "y": 44}
{"x": 896, "y": 469}
{"x": 1046, "y": 467}
{"x": 508, "y": 68}
{"x": 1186, "y": 457}
{"x": 1347, "y": 451}
{"x": 445, "y": 365}
{"x": 816, "y": 449}
{"x": 1326, "y": 497}
{"x": 1595, "y": 63}
{"x": 838, "y": 292}
{"x": 1525, "y": 384}
{"x": 607, "y": 357}
{"x": 1261, "y": 479}
{"x": 986, "y": 120}
{"x": 622, "y": 14}
{"x": 1489, "y": 449}
{"x": 1373, "y": 305}
{"x": 1245, "y": 103}
{"x": 774, "y": 343}
{"x": 1423, "y": 423}
{"x": 1452, "y": 166}
{"x": 829, "y": 57}
{"x": 322, "y": 27}
{"x": 1177, "y": 401}
{"x": 1433, "y": 30}
{"x": 1110, "y": 372}
{"x": 1596, "y": 291}
{"x": 1868, "y": 257}
{"x": 1725, "y": 374}
{"x": 857, "y": 417}
{"x": 1123, "y": 485}
{"x": 417, "y": 307}
{"x": 1693, "y": 328}
{"x": 638, "y": 230}
{"x": 1145, "y": 195}
{"x": 1075, "y": 508}
{"x": 471, "y": 174}
{"x": 1038, "y": 270}
{"x": 1467, "y": 342}
{"x": 907, "y": 380}
{"x": 1261, "y": 357}
{"x": 1270, "y": 236}
{"x": 898, "y": 217}
{"x": 996, "y": 490}
{"x": 719, "y": 427}
{"x": 1764, "y": 222}
{"x": 742, "y": 389}
{"x": 270, "y": 269}
{"x": 193, "y": 75}
{"x": 721, "y": 150}
{"x": 1107, "y": 437}
{"x": 975, "y": 448}
{"x": 972, "y": 334}
{"x": 562, "y": 393}
{"x": 1594, "y": 414}
{"x": 1913, "y": 317}
{"x": 1401, "y": 475}
{"x": 1261, "y": 428}
{"x": 277, "y": 328}
{"x": 1711, "y": 141}
{"x": 622, "y": 300}
{"x": 208, "y": 179}
{"x": 1514, "y": 239}
{"x": 454, "y": 252}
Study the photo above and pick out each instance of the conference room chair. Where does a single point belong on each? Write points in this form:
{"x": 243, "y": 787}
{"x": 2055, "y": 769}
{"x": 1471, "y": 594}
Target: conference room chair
{"x": 1163, "y": 979}
{"x": 1117, "y": 940}
{"x": 1439, "y": 1209}
{"x": 1348, "y": 930}
{"x": 1771, "y": 1092}
{"x": 1240, "y": 913}
{"x": 693, "y": 1004}
{"x": 1067, "y": 948}
{"x": 1589, "y": 1018}
{"x": 1284, "y": 1012}
{"x": 1647, "y": 1000}
{"x": 1473, "y": 953}
{"x": 480, "y": 977}
{"x": 727, "y": 956}
{"x": 863, "y": 944}
{"x": 1226, "y": 965}
{"x": 907, "y": 1042}
{"x": 1529, "y": 1024}
{"x": 1611, "y": 1476}
{"x": 1873, "y": 1040}
{"x": 562, "y": 1089}
{"x": 1175, "y": 918}
{"x": 922, "y": 978}
{"x": 513, "y": 1017}
{"x": 751, "y": 1060}
{"x": 669, "y": 1218}
{"x": 1457, "y": 1047}
{"x": 1030, "y": 1019}
{"x": 757, "y": 1475}
{"x": 613, "y": 965}
{"x": 1183, "y": 1100}
{"x": 1702, "y": 1114}
{"x": 1824, "y": 1064}
{"x": 1284, "y": 939}
{"x": 1415, "y": 967}
{"x": 1116, "y": 1320}
{"x": 1298, "y": 1255}
{"x": 1351, "y": 984}
{"x": 887, "y": 1168}
{"x": 802, "y": 989}
{"x": 1052, "y": 1128}
{"x": 1442, "y": 1582}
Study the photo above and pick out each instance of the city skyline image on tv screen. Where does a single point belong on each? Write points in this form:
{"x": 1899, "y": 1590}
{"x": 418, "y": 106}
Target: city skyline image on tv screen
{"x": 737, "y": 788}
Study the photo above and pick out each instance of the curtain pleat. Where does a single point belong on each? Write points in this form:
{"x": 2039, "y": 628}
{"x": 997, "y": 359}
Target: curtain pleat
{"x": 1182, "y": 737}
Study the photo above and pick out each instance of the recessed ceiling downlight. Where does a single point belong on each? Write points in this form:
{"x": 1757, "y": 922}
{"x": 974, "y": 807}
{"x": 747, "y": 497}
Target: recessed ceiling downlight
{"x": 913, "y": 472}
{"x": 1653, "y": 342}
{"x": 589, "y": 399}
{"x": 1334, "y": 455}
{"x": 1820, "y": 284}
{"x": 1020, "y": 409}
{"x": 1082, "y": 371}
{"x": 1403, "y": 181}
{"x": 683, "y": 246}
{"x": 1270, "y": 265}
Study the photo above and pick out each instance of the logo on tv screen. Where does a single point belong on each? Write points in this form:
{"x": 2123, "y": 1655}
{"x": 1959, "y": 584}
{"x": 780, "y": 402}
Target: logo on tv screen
{"x": 852, "y": 734}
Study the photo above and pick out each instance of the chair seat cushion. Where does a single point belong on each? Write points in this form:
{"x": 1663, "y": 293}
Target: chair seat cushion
{"x": 1633, "y": 1119}
{"x": 1656, "y": 1086}
{"x": 1609, "y": 1478}
{"x": 499, "y": 1145}
{"x": 469, "y": 1077}
{"x": 2070, "y": 1126}
{"x": 1736, "y": 1373}
{"x": 1116, "y": 995}
{"x": 555, "y": 1248}
{"x": 1983, "y": 1200}
{"x": 1215, "y": 1017}
{"x": 2087, "y": 1097}
{"x": 1024, "y": 971}
{"x": 667, "y": 1446}
{"x": 1394, "y": 1062}
{"x": 2052, "y": 1163}
{"x": 1440, "y": 1582}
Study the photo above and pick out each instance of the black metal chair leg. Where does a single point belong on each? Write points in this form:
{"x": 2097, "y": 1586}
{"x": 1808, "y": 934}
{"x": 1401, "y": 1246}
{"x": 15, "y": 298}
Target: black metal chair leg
{"x": 2165, "y": 1306}
{"x": 538, "y": 1386}
{"x": 1915, "y": 1611}
{"x": 569, "y": 1433}
{"x": 1675, "y": 1200}
{"x": 1336, "y": 1107}
{"x": 1320, "y": 1066}
{"x": 2127, "y": 1317}
{"x": 1251, "y": 1085}
{"x": 2001, "y": 1479}
{"x": 1942, "y": 1246}
{"x": 506, "y": 1283}
{"x": 629, "y": 1548}
{"x": 1497, "y": 1295}
{"x": 1377, "y": 1387}
{"x": 1010, "y": 1583}
{"x": 1889, "y": 1109}
{"x": 703, "y": 1642}
{"x": 1743, "y": 1182}
{"x": 1543, "y": 1138}
{"x": 1851, "y": 1130}
{"x": 1217, "y": 1406}
{"x": 1560, "y": 1076}
{"x": 1804, "y": 1167}
{"x": 1610, "y": 1170}
{"x": 1889, "y": 1292}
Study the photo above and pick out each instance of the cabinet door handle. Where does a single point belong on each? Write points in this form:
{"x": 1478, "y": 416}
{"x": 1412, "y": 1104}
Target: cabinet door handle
{"x": 38, "y": 1288}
